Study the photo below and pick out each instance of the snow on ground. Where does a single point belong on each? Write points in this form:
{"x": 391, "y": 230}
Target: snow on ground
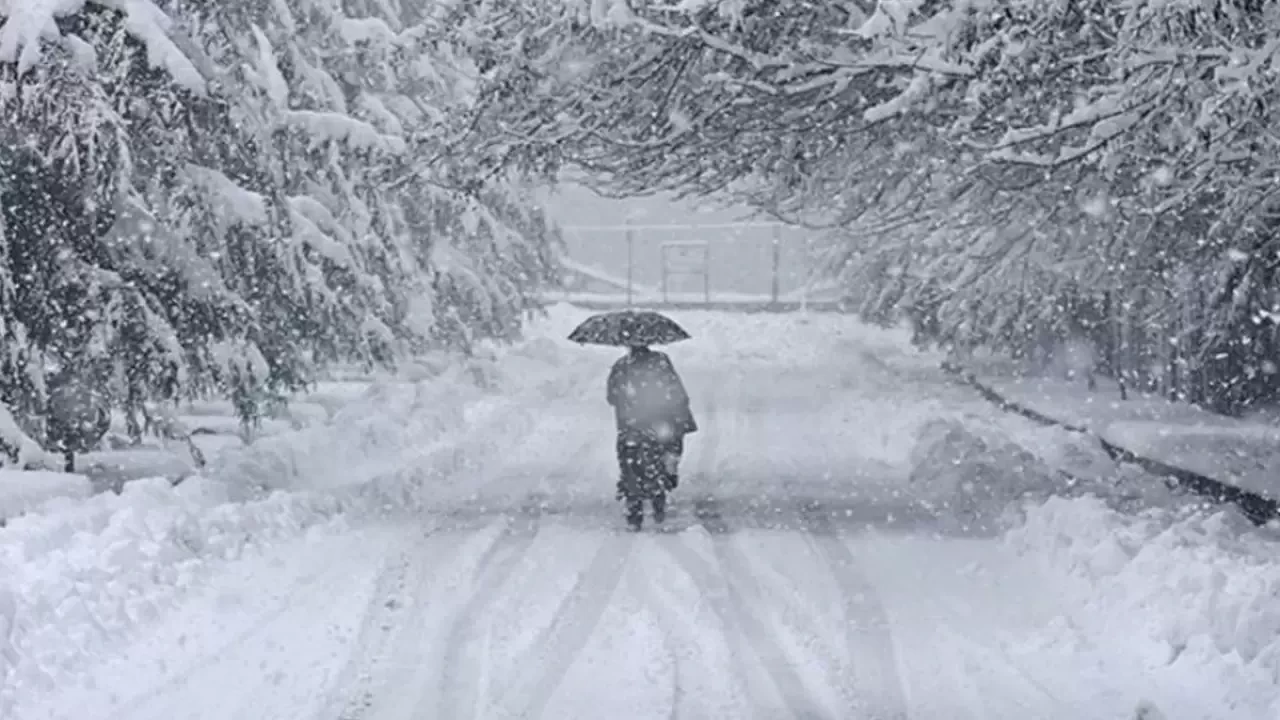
{"x": 79, "y": 576}
{"x": 855, "y": 535}
{"x": 25, "y": 491}
{"x": 1237, "y": 451}
{"x": 212, "y": 428}
{"x": 320, "y": 577}
{"x": 1196, "y": 599}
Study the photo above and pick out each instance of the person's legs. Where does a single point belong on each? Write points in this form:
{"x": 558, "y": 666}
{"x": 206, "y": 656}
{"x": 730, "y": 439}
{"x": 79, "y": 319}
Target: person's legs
{"x": 652, "y": 474}
{"x": 635, "y": 512}
{"x": 659, "y": 502}
{"x": 627, "y": 450}
{"x": 630, "y": 448}
{"x": 672, "y": 452}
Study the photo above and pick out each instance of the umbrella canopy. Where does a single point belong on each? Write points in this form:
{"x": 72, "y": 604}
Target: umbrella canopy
{"x": 624, "y": 328}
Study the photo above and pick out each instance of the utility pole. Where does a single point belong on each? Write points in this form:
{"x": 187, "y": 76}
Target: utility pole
{"x": 777, "y": 251}
{"x": 808, "y": 274}
{"x": 631, "y": 242}
{"x": 706, "y": 275}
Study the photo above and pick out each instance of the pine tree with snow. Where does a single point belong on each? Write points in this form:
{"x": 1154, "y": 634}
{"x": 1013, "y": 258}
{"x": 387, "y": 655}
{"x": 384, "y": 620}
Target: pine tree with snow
{"x": 192, "y": 209}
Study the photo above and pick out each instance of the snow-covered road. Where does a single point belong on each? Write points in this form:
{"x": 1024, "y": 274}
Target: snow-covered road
{"x": 795, "y": 578}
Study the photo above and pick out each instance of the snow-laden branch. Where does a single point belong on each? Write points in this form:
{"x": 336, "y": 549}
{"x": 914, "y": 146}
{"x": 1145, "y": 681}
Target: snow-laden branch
{"x": 344, "y": 129}
{"x": 29, "y": 24}
{"x": 228, "y": 238}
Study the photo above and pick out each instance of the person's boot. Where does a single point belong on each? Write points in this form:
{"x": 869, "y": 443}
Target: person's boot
{"x": 635, "y": 513}
{"x": 659, "y": 507}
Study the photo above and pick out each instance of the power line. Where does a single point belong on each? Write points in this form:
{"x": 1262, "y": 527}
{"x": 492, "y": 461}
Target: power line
{"x": 710, "y": 226}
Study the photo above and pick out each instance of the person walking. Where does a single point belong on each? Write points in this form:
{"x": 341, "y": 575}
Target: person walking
{"x": 653, "y": 416}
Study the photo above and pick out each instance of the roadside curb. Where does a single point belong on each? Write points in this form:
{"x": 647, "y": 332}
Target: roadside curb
{"x": 1258, "y": 508}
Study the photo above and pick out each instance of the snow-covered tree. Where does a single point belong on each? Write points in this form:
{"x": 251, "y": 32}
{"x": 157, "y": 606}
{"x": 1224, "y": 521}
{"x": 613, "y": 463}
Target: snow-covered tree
{"x": 1102, "y": 150}
{"x": 93, "y": 102}
{"x": 219, "y": 200}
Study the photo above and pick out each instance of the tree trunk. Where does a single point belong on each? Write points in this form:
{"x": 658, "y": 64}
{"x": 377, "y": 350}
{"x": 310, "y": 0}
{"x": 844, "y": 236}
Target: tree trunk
{"x": 1123, "y": 361}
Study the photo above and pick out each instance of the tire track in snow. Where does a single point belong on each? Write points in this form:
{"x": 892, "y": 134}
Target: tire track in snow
{"x": 777, "y": 513}
{"x": 362, "y": 680}
{"x": 714, "y": 589}
{"x": 457, "y": 694}
{"x": 372, "y": 642}
{"x": 700, "y": 572}
{"x": 450, "y": 683}
{"x": 398, "y": 673}
{"x": 662, "y": 611}
{"x": 389, "y": 619}
{"x": 746, "y": 632}
{"x": 559, "y": 644}
{"x": 879, "y": 690}
{"x": 732, "y": 598}
{"x": 876, "y": 691}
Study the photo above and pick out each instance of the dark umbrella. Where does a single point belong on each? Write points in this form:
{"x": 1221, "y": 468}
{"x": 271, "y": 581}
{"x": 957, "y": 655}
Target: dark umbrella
{"x": 628, "y": 327}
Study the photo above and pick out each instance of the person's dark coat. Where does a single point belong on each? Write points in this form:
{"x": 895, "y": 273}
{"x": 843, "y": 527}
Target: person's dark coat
{"x": 648, "y": 396}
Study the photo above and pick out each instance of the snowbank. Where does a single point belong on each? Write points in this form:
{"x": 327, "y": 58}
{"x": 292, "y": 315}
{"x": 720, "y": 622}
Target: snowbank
{"x": 82, "y": 574}
{"x": 78, "y": 576}
{"x": 972, "y": 467}
{"x": 23, "y": 491}
{"x": 1235, "y": 451}
{"x": 1197, "y": 593}
{"x": 415, "y": 431}
{"x": 969, "y": 477}
{"x": 1200, "y": 593}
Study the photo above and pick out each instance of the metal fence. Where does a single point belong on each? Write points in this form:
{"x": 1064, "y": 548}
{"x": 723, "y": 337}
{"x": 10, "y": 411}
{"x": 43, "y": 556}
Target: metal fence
{"x": 764, "y": 262}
